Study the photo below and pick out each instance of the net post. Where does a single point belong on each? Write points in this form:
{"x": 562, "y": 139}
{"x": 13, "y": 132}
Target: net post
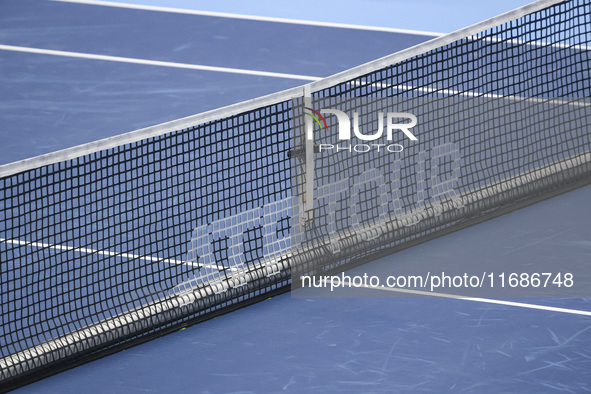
{"x": 308, "y": 131}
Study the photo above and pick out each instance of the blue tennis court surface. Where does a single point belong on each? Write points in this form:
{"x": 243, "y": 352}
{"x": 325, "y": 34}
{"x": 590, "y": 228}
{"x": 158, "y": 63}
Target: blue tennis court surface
{"x": 74, "y": 73}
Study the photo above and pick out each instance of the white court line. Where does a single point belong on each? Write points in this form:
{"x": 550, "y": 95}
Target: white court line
{"x": 104, "y": 253}
{"x": 484, "y": 300}
{"x": 120, "y": 59}
{"x": 250, "y": 17}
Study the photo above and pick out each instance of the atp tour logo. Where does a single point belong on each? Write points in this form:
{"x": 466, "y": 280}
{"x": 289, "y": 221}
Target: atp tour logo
{"x": 395, "y": 122}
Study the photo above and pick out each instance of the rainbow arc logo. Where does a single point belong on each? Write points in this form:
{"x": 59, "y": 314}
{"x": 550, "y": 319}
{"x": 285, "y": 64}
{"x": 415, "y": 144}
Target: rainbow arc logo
{"x": 315, "y": 115}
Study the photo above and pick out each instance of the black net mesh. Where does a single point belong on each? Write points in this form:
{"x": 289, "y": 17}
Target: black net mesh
{"x": 113, "y": 247}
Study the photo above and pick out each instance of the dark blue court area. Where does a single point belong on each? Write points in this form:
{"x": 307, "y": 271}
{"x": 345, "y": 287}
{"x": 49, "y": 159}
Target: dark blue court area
{"x": 54, "y": 102}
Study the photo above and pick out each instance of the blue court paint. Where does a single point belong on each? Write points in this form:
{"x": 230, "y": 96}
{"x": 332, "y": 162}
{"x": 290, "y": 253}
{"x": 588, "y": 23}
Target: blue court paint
{"x": 51, "y": 103}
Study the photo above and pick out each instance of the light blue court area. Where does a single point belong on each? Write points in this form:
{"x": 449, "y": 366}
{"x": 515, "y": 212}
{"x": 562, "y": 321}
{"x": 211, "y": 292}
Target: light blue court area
{"x": 380, "y": 345}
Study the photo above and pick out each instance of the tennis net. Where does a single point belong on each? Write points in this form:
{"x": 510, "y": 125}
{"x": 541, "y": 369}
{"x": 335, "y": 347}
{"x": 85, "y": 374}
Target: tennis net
{"x": 115, "y": 242}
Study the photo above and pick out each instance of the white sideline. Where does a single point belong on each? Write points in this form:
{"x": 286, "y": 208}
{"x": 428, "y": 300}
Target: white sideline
{"x": 249, "y": 17}
{"x": 103, "y": 252}
{"x": 484, "y": 300}
{"x": 120, "y": 59}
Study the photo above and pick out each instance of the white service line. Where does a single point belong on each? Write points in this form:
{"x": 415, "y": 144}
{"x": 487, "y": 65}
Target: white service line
{"x": 484, "y": 300}
{"x": 249, "y": 17}
{"x": 103, "y": 252}
{"x": 120, "y": 59}
{"x": 577, "y": 102}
